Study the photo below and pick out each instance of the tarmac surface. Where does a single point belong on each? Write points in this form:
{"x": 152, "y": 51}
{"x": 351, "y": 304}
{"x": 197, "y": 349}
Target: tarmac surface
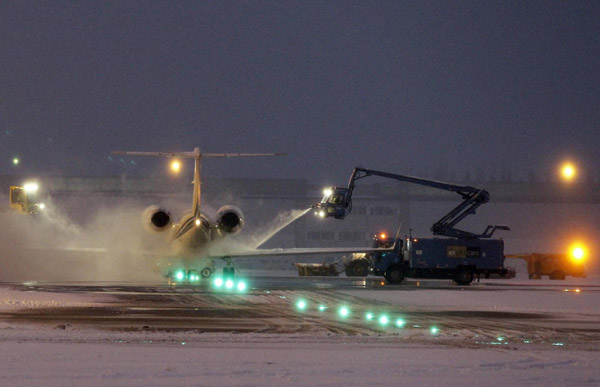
{"x": 273, "y": 305}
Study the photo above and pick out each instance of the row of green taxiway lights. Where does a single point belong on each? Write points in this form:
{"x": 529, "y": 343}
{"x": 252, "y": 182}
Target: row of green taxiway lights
{"x": 217, "y": 282}
{"x": 345, "y": 312}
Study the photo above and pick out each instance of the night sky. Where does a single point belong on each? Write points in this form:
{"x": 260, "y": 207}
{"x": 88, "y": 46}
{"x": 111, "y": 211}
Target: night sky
{"x": 425, "y": 88}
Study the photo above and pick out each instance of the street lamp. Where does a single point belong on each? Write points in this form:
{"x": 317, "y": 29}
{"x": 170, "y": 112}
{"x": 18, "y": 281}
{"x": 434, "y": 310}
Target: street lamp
{"x": 568, "y": 171}
{"x": 175, "y": 166}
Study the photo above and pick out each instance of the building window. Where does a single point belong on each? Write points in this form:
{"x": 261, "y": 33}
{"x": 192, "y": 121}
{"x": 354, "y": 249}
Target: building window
{"x": 320, "y": 235}
{"x": 359, "y": 210}
{"x": 351, "y": 236}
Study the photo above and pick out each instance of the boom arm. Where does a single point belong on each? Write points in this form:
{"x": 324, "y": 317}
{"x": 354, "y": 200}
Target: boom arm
{"x": 338, "y": 202}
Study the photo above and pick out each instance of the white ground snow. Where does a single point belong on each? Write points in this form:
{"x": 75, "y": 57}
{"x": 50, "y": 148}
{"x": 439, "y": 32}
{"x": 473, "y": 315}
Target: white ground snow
{"x": 252, "y": 360}
{"x": 33, "y": 356}
{"x": 567, "y": 297}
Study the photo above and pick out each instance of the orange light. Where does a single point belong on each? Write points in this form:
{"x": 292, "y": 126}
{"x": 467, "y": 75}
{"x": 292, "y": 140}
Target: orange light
{"x": 382, "y": 235}
{"x": 578, "y": 253}
{"x": 176, "y": 166}
{"x": 568, "y": 171}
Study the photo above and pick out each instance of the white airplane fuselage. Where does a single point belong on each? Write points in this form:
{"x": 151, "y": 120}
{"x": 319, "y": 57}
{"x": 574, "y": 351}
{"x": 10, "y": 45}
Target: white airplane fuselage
{"x": 192, "y": 234}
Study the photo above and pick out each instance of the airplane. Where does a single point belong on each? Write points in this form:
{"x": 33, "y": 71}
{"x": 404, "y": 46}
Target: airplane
{"x": 195, "y": 235}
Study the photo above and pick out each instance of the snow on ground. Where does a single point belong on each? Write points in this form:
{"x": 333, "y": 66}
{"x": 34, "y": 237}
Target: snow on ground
{"x": 14, "y": 299}
{"x": 140, "y": 359}
{"x": 64, "y": 356}
{"x": 573, "y": 296}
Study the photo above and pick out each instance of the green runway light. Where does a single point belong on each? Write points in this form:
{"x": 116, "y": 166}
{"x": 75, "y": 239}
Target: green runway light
{"x": 434, "y": 330}
{"x": 241, "y": 286}
{"x": 301, "y": 305}
{"x": 500, "y": 338}
{"x": 344, "y": 312}
{"x": 218, "y": 282}
{"x": 179, "y": 275}
{"x": 369, "y": 316}
{"x": 322, "y": 308}
{"x": 384, "y": 320}
{"x": 229, "y": 284}
{"x": 400, "y": 323}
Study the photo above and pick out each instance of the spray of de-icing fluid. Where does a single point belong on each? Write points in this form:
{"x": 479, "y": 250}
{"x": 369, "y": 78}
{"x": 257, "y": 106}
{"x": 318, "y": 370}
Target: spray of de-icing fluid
{"x": 282, "y": 220}
{"x": 109, "y": 245}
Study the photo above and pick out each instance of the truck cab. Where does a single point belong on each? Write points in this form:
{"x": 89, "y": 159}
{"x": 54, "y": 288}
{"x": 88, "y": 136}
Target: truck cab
{"x": 335, "y": 202}
{"x": 24, "y": 199}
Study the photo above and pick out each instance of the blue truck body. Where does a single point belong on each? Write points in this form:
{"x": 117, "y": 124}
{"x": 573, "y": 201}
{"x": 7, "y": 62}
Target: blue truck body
{"x": 453, "y": 258}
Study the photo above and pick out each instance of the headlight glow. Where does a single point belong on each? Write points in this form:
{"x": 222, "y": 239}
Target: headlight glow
{"x": 31, "y": 187}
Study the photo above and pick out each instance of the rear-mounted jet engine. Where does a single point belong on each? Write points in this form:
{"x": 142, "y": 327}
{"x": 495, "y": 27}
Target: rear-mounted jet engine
{"x": 156, "y": 219}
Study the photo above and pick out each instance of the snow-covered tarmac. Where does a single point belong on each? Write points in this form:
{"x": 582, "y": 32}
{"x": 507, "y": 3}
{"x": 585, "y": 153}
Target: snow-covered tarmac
{"x": 461, "y": 353}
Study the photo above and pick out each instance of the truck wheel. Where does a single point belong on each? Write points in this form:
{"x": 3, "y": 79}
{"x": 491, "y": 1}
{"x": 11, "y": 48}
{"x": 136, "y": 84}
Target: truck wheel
{"x": 394, "y": 274}
{"x": 357, "y": 268}
{"x": 206, "y": 272}
{"x": 350, "y": 269}
{"x": 464, "y": 277}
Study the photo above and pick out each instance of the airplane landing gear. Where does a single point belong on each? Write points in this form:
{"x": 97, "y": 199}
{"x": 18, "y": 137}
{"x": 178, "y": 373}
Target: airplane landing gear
{"x": 228, "y": 272}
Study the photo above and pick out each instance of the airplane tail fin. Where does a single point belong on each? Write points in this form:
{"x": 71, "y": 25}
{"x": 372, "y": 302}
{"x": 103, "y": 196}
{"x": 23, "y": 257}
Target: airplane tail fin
{"x": 197, "y": 156}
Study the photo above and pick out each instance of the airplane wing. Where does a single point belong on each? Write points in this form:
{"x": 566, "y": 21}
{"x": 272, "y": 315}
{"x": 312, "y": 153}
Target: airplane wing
{"x": 258, "y": 253}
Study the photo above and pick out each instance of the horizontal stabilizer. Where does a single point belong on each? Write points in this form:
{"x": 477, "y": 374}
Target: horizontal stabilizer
{"x": 191, "y": 155}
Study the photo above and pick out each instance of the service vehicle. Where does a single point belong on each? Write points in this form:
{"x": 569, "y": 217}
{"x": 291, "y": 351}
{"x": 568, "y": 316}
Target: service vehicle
{"x": 458, "y": 254}
{"x": 555, "y": 266}
{"x": 459, "y": 259}
{"x": 24, "y": 199}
